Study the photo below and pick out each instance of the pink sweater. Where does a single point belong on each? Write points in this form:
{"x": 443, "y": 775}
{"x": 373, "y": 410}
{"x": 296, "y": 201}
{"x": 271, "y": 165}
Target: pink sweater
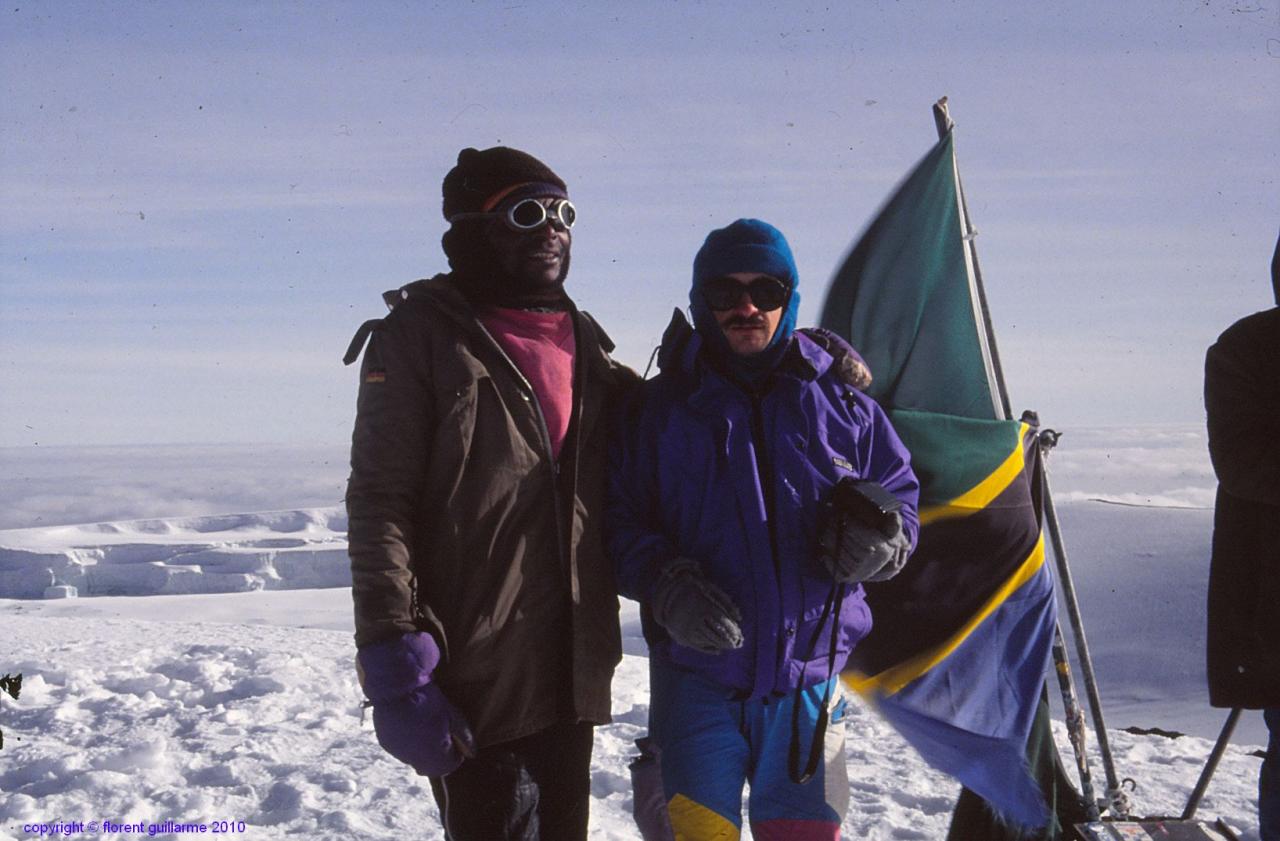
{"x": 541, "y": 345}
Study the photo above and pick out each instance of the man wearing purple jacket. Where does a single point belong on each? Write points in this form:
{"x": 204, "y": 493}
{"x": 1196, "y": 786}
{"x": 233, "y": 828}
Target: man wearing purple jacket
{"x": 725, "y": 523}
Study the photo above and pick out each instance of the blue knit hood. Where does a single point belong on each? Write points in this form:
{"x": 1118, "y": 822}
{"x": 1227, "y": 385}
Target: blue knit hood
{"x": 747, "y": 245}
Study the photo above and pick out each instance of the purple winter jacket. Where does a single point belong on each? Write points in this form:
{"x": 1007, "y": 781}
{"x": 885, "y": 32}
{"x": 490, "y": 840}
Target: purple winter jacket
{"x": 705, "y": 471}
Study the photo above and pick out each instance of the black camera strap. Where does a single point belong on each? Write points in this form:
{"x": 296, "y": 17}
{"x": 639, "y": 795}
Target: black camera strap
{"x": 835, "y": 600}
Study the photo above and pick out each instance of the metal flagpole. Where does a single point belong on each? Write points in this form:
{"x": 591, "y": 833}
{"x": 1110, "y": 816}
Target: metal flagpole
{"x": 942, "y": 118}
{"x": 1116, "y": 800}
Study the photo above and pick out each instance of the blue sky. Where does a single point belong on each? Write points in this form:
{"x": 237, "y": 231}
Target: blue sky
{"x": 201, "y": 201}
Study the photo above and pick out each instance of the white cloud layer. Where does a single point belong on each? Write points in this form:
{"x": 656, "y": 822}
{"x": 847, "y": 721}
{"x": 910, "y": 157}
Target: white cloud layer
{"x": 46, "y": 486}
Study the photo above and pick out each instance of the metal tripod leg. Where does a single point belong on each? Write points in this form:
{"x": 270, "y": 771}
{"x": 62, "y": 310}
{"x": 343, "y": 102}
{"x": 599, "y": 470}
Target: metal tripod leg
{"x": 1215, "y": 755}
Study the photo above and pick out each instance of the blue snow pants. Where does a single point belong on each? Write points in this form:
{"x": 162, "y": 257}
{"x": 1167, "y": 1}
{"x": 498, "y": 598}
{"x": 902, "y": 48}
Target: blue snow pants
{"x": 711, "y": 744}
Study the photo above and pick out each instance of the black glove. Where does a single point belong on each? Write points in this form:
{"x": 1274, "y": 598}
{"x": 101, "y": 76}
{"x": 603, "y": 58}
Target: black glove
{"x": 695, "y": 612}
{"x": 852, "y": 551}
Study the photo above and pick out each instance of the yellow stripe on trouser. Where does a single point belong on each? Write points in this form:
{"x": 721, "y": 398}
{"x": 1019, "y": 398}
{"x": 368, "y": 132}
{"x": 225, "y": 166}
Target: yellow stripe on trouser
{"x": 691, "y": 821}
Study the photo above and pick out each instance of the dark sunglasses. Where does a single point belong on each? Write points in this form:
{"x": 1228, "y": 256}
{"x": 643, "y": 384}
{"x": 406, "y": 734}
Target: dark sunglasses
{"x": 724, "y": 293}
{"x": 530, "y": 214}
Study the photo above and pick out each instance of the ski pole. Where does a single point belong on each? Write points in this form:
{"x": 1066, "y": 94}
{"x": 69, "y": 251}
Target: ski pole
{"x": 1117, "y": 800}
{"x": 1215, "y": 755}
{"x": 1075, "y": 722}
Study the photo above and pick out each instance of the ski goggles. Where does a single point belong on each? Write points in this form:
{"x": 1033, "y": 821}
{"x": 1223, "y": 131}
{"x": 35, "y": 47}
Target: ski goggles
{"x": 530, "y": 214}
{"x": 724, "y": 293}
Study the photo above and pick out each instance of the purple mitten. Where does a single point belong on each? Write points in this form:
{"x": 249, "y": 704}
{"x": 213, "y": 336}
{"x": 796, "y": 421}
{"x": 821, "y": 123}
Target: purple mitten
{"x": 413, "y": 719}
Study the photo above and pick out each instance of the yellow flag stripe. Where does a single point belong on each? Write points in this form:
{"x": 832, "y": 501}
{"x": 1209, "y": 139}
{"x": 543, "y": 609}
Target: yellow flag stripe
{"x": 982, "y": 494}
{"x": 893, "y": 679}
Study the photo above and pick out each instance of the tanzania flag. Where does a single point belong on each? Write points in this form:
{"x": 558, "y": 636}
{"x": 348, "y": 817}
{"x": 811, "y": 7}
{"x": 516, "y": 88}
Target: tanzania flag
{"x": 958, "y": 653}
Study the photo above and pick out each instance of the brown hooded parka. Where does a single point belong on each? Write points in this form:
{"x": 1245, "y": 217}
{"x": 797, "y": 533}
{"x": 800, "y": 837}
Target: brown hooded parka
{"x": 461, "y": 523}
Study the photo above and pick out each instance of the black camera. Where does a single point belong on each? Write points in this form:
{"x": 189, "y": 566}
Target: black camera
{"x": 865, "y": 501}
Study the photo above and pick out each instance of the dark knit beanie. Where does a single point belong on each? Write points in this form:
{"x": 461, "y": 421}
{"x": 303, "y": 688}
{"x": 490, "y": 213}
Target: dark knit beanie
{"x": 747, "y": 245}
{"x": 483, "y": 178}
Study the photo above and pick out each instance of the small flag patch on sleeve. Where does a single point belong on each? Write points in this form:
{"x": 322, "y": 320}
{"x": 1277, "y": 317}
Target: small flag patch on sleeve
{"x": 375, "y": 375}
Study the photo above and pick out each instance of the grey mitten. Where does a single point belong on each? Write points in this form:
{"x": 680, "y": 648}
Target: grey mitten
{"x": 695, "y": 612}
{"x": 852, "y": 551}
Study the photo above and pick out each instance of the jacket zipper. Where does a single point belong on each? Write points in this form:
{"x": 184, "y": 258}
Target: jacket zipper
{"x": 531, "y": 397}
{"x": 765, "y": 469}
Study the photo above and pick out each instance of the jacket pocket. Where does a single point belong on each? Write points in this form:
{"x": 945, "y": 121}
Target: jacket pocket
{"x": 812, "y": 653}
{"x": 482, "y": 454}
{"x": 457, "y": 396}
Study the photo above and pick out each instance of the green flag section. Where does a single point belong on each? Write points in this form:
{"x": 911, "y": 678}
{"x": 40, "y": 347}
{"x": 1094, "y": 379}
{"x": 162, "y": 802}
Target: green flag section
{"x": 961, "y": 463}
{"x": 906, "y": 298}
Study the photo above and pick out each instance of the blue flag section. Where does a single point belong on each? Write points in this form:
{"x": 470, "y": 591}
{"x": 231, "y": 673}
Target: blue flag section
{"x": 957, "y": 658}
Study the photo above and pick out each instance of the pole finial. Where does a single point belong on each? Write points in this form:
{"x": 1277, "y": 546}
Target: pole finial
{"x": 942, "y": 117}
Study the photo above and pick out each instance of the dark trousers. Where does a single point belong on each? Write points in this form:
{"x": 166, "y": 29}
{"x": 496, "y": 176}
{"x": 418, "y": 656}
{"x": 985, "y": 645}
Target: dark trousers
{"x": 1269, "y": 781}
{"x": 537, "y": 788}
{"x": 973, "y": 818}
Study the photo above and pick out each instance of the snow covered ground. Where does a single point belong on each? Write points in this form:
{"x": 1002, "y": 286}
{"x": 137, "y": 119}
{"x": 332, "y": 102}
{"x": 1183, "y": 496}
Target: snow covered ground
{"x": 233, "y": 697}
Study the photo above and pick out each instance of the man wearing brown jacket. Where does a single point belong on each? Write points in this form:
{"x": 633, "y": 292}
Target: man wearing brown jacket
{"x": 486, "y": 612}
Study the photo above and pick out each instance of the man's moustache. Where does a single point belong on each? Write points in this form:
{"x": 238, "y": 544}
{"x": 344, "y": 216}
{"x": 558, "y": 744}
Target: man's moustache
{"x": 544, "y": 249}
{"x": 743, "y": 321}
